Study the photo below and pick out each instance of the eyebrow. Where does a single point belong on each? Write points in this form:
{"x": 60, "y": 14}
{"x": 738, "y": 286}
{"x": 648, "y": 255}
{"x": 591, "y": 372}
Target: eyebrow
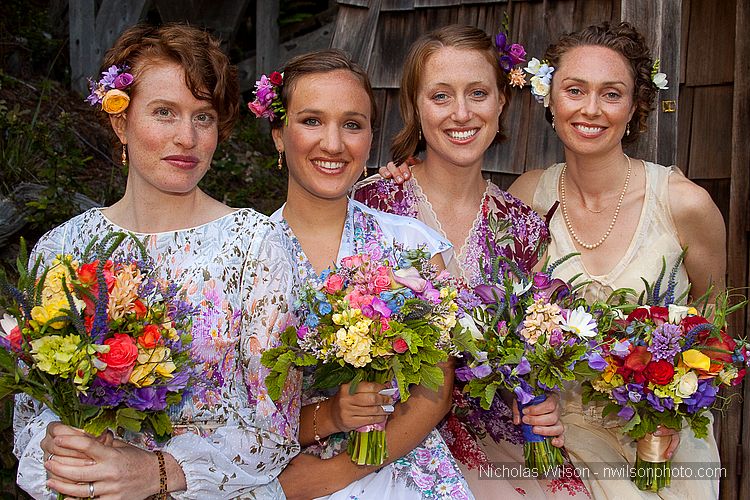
{"x": 207, "y": 107}
{"x": 319, "y": 112}
{"x": 606, "y": 84}
{"x": 470, "y": 84}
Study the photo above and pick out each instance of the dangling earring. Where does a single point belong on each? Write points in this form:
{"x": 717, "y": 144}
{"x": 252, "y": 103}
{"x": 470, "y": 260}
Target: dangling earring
{"x": 281, "y": 159}
{"x": 124, "y": 155}
{"x": 627, "y": 129}
{"x": 420, "y": 134}
{"x": 364, "y": 170}
{"x": 553, "y": 122}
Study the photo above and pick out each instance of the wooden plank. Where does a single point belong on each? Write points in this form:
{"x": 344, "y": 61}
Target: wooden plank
{"x": 83, "y": 63}
{"x": 658, "y": 22}
{"x": 391, "y": 125}
{"x": 685, "y": 37}
{"x": 739, "y": 224}
{"x": 510, "y": 156}
{"x": 685, "y": 124}
{"x": 503, "y": 181}
{"x": 355, "y": 31}
{"x": 710, "y": 47}
{"x": 711, "y": 138}
{"x": 587, "y": 12}
{"x": 113, "y": 18}
{"x": 395, "y": 34}
{"x": 267, "y": 36}
{"x": 355, "y": 3}
{"x": 391, "y": 5}
{"x": 378, "y": 136}
{"x": 435, "y": 3}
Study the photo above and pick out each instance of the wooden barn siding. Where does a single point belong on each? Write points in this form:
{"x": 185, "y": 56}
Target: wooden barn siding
{"x": 710, "y": 146}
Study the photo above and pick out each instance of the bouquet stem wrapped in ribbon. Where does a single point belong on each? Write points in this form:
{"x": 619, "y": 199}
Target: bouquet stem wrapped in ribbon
{"x": 368, "y": 320}
{"x": 666, "y": 363}
{"x": 538, "y": 453}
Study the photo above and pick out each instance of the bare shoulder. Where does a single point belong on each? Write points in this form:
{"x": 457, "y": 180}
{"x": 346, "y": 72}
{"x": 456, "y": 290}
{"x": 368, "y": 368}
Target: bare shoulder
{"x": 692, "y": 207}
{"x": 524, "y": 186}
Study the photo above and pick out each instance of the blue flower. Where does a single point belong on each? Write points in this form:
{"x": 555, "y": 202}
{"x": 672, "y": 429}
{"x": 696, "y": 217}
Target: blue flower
{"x": 312, "y": 320}
{"x": 324, "y": 308}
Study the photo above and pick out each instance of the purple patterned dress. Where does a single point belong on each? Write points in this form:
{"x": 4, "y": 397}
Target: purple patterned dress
{"x": 479, "y": 438}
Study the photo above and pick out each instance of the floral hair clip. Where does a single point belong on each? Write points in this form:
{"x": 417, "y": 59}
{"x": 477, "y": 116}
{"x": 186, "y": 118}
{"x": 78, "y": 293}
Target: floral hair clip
{"x": 541, "y": 81}
{"x": 511, "y": 54}
{"x": 110, "y": 90}
{"x": 659, "y": 79}
{"x": 267, "y": 103}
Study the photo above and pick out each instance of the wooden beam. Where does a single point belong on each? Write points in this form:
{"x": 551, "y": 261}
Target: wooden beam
{"x": 81, "y": 25}
{"x": 267, "y": 36}
{"x": 659, "y": 22}
{"x": 739, "y": 220}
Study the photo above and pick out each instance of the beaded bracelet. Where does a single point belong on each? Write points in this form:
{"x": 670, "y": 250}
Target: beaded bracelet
{"x": 317, "y": 437}
{"x": 162, "y": 476}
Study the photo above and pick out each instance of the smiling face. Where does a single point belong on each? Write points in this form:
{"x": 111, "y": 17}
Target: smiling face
{"x": 459, "y": 106}
{"x": 327, "y": 139}
{"x": 171, "y": 136}
{"x": 592, "y": 100}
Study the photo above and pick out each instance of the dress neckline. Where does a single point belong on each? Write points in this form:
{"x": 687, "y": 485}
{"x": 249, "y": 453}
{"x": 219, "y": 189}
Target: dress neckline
{"x": 419, "y": 193}
{"x": 173, "y": 231}
{"x": 635, "y": 240}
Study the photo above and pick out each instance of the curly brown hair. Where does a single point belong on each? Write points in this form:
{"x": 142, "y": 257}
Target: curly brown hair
{"x": 208, "y": 73}
{"x": 322, "y": 61}
{"x": 624, "y": 39}
{"x": 407, "y": 142}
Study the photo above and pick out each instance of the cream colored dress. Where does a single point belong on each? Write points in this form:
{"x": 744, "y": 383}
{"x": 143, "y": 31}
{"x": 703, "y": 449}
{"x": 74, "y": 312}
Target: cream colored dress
{"x": 590, "y": 440}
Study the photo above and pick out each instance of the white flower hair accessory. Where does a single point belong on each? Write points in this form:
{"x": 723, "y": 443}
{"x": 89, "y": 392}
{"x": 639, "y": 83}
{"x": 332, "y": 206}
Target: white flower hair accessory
{"x": 541, "y": 80}
{"x": 659, "y": 79}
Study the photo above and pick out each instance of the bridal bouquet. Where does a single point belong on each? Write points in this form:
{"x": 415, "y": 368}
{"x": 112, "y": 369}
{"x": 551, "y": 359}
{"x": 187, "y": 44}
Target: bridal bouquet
{"x": 666, "y": 364}
{"x": 532, "y": 336}
{"x": 99, "y": 341}
{"x": 367, "y": 320}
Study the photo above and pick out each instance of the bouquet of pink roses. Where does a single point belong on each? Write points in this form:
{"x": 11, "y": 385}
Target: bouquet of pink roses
{"x": 100, "y": 341}
{"x": 370, "y": 321}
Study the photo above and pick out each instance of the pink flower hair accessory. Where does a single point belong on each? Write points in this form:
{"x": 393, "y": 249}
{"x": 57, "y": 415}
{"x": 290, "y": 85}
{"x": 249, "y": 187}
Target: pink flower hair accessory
{"x": 267, "y": 103}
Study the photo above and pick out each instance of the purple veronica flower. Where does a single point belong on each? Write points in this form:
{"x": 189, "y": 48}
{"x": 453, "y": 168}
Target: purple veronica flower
{"x": 109, "y": 76}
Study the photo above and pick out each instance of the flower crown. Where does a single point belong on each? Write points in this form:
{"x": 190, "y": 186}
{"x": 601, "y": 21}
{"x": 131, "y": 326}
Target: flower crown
{"x": 109, "y": 92}
{"x": 267, "y": 103}
{"x": 541, "y": 81}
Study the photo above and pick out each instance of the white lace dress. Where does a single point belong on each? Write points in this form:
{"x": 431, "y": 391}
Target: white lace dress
{"x": 231, "y": 441}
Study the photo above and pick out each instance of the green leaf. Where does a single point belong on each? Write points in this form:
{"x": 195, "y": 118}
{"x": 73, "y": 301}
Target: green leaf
{"x": 105, "y": 420}
{"x": 130, "y": 419}
{"x": 432, "y": 377}
{"x": 161, "y": 424}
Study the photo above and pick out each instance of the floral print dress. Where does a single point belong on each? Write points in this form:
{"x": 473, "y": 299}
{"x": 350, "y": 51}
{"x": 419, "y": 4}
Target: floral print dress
{"x": 481, "y": 440}
{"x": 230, "y": 438}
{"x": 429, "y": 471}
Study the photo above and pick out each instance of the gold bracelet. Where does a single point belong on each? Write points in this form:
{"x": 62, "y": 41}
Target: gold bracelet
{"x": 162, "y": 475}
{"x": 315, "y": 425}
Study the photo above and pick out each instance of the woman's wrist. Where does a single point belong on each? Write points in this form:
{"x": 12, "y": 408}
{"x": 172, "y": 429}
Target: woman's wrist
{"x": 175, "y": 476}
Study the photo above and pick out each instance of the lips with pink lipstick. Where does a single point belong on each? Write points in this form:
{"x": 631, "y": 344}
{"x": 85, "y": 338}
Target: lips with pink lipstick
{"x": 184, "y": 162}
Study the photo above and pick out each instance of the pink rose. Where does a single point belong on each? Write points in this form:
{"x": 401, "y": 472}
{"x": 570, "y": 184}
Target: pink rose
{"x": 120, "y": 359}
{"x": 352, "y": 261}
{"x": 382, "y": 283}
{"x": 15, "y": 338}
{"x": 517, "y": 53}
{"x": 400, "y": 346}
{"x": 257, "y": 108}
{"x": 334, "y": 283}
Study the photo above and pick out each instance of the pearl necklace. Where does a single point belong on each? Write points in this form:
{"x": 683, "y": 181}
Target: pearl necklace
{"x": 578, "y": 240}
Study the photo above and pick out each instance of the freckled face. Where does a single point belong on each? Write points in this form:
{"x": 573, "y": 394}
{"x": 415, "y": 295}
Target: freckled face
{"x": 592, "y": 99}
{"x": 459, "y": 106}
{"x": 171, "y": 136}
{"x": 328, "y": 136}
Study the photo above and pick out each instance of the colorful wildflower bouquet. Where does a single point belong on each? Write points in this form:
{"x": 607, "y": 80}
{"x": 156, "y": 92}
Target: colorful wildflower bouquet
{"x": 666, "y": 363}
{"x": 532, "y": 336}
{"x": 368, "y": 320}
{"x": 97, "y": 340}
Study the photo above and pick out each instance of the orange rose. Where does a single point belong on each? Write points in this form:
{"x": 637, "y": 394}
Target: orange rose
{"x": 115, "y": 102}
{"x": 150, "y": 337}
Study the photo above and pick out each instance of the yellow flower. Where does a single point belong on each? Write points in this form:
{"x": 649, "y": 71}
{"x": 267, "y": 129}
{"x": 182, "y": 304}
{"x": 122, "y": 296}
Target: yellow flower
{"x": 150, "y": 363}
{"x": 115, "y": 101}
{"x": 50, "y": 310}
{"x": 57, "y": 354}
{"x": 609, "y": 372}
{"x": 696, "y": 359}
